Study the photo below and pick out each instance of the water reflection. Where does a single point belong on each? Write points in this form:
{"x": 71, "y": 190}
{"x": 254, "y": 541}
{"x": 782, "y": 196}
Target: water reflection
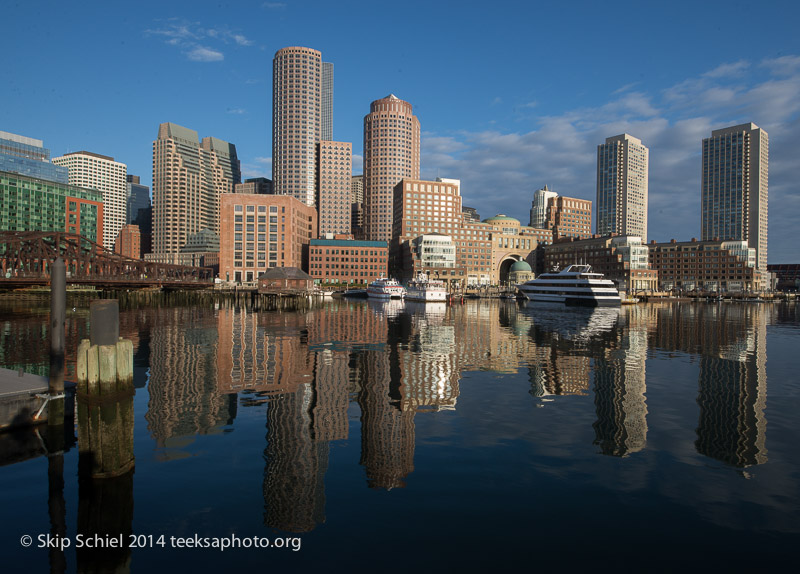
{"x": 395, "y": 361}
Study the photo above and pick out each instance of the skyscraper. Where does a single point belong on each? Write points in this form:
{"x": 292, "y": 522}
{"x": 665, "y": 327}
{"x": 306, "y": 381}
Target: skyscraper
{"x": 541, "y": 197}
{"x": 302, "y": 105}
{"x": 138, "y": 197}
{"x": 622, "y": 173}
{"x": 101, "y": 172}
{"x": 333, "y": 201}
{"x": 735, "y": 187}
{"x": 391, "y": 153}
{"x": 189, "y": 176}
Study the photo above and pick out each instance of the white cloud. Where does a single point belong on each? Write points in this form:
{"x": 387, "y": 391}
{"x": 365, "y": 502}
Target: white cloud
{"x": 500, "y": 171}
{"x": 236, "y": 111}
{"x": 194, "y": 40}
{"x": 273, "y": 5}
{"x": 204, "y": 54}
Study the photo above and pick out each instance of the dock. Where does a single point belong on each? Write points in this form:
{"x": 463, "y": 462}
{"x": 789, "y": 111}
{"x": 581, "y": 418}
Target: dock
{"x": 19, "y": 402}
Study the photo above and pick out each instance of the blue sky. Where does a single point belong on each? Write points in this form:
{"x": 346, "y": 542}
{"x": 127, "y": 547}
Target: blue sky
{"x": 510, "y": 95}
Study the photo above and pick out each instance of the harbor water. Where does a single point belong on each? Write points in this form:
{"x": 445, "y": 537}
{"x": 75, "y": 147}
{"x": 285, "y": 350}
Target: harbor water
{"x": 391, "y": 436}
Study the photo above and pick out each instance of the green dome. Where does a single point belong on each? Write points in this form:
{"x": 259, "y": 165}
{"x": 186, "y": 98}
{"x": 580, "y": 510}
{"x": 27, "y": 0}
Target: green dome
{"x": 520, "y": 266}
{"x": 500, "y": 218}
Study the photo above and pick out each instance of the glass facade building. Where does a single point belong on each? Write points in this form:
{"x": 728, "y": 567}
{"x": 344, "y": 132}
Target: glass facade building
{"x": 32, "y": 204}
{"x": 28, "y": 156}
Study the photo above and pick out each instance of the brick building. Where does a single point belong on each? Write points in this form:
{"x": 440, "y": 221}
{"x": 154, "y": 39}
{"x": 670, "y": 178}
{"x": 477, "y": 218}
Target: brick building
{"x": 344, "y": 260}
{"x": 718, "y": 266}
{"x": 258, "y": 232}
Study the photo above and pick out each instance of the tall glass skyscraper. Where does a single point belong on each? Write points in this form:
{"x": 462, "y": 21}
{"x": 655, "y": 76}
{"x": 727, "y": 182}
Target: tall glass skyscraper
{"x": 735, "y": 187}
{"x": 622, "y": 182}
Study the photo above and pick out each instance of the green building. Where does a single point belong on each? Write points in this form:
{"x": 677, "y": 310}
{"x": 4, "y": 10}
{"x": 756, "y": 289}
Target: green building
{"x": 31, "y": 204}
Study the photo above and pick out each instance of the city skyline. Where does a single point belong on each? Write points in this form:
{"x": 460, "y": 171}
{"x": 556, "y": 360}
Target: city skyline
{"x": 534, "y": 118}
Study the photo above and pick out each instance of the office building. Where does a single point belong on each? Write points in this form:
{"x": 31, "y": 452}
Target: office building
{"x": 298, "y": 78}
{"x": 713, "y": 266}
{"x": 257, "y": 185}
{"x": 94, "y": 171}
{"x": 357, "y": 206}
{"x": 433, "y": 208}
{"x": 32, "y": 204}
{"x": 470, "y": 214}
{"x": 569, "y": 217}
{"x": 622, "y": 176}
{"x": 28, "y": 156}
{"x": 539, "y": 206}
{"x": 391, "y": 153}
{"x": 189, "y": 177}
{"x": 345, "y": 260}
{"x": 335, "y": 187}
{"x": 129, "y": 242}
{"x": 735, "y": 187}
{"x": 263, "y": 231}
{"x": 138, "y": 197}
{"x": 326, "y": 111}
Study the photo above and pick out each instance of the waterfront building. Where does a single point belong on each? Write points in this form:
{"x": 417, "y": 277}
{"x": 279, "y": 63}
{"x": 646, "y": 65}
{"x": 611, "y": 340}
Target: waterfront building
{"x": 345, "y": 260}
{"x": 32, "y": 204}
{"x": 28, "y": 156}
{"x": 263, "y": 231}
{"x": 391, "y": 153}
{"x": 138, "y": 197}
{"x": 539, "y": 206}
{"x": 298, "y": 77}
{"x": 622, "y": 186}
{"x": 718, "y": 266}
{"x": 512, "y": 242}
{"x": 201, "y": 250}
{"x": 189, "y": 177}
{"x": 257, "y": 185}
{"x": 129, "y": 242}
{"x": 569, "y": 217}
{"x": 335, "y": 187}
{"x": 94, "y": 171}
{"x": 434, "y": 207}
{"x": 623, "y": 259}
{"x": 735, "y": 187}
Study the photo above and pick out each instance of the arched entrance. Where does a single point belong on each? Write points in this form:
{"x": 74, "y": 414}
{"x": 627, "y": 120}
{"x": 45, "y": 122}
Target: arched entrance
{"x": 505, "y": 267}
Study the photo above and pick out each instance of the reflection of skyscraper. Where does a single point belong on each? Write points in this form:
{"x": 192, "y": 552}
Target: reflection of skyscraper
{"x": 619, "y": 385}
{"x": 387, "y": 433}
{"x": 732, "y": 397}
{"x": 184, "y": 400}
{"x": 294, "y": 485}
{"x": 331, "y": 395}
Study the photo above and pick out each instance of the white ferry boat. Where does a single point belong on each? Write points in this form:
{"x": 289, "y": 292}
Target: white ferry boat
{"x": 422, "y": 288}
{"x": 384, "y": 288}
{"x": 575, "y": 285}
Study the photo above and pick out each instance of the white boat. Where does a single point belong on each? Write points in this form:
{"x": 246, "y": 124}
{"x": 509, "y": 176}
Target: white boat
{"x": 384, "y": 288}
{"x": 422, "y": 288}
{"x": 575, "y": 285}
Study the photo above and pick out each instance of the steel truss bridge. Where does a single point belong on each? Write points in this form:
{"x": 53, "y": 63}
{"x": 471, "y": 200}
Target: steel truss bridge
{"x": 26, "y": 256}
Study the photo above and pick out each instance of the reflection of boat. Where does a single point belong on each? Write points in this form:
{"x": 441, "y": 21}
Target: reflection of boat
{"x": 384, "y": 288}
{"x": 575, "y": 285}
{"x": 572, "y": 324}
{"x": 422, "y": 288}
{"x": 387, "y": 307}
